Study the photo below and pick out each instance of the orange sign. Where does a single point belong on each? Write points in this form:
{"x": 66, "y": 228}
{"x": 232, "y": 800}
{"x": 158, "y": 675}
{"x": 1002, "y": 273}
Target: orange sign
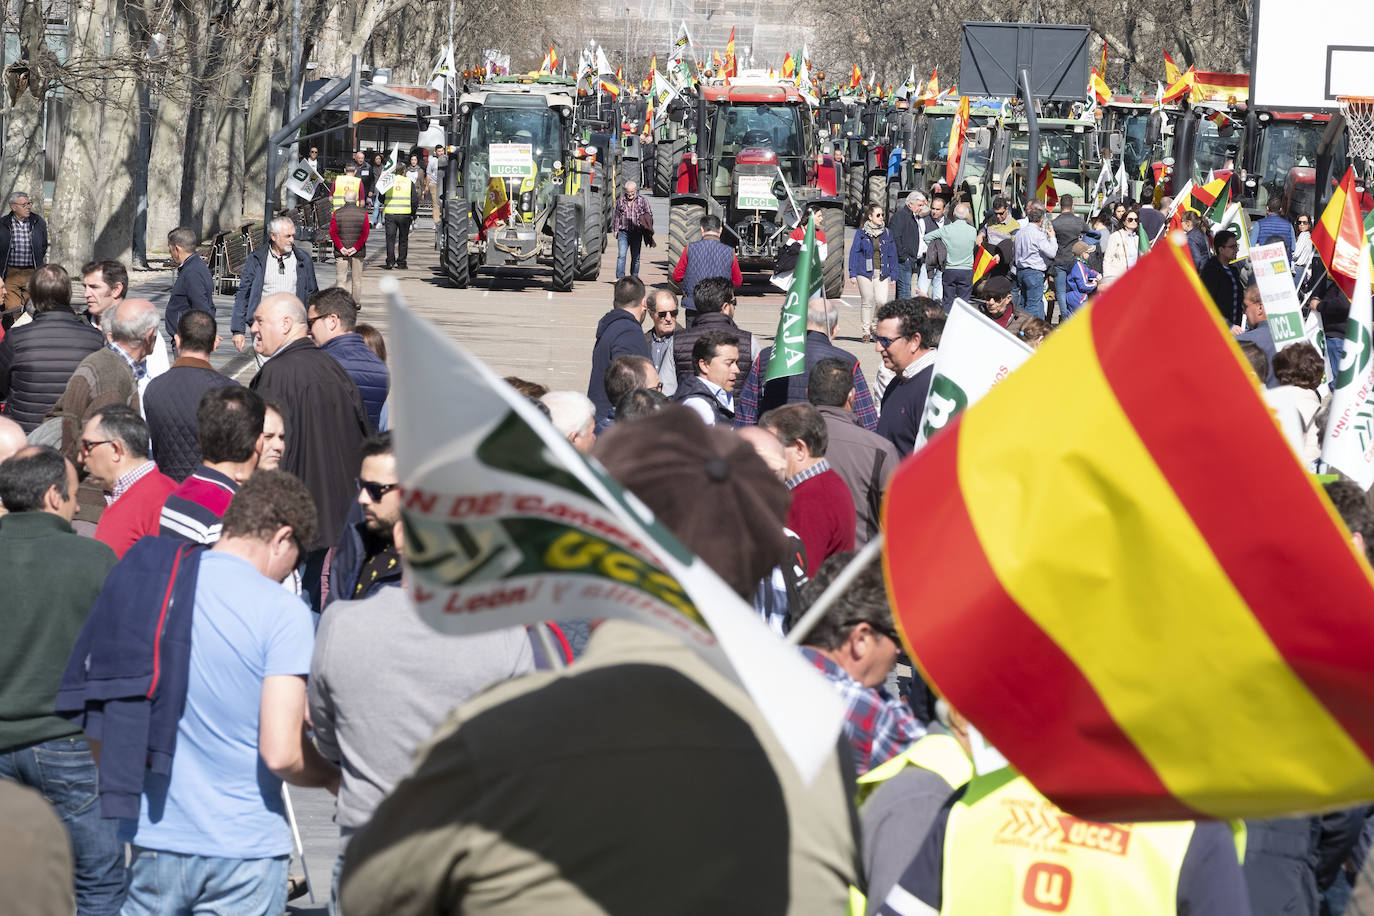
{"x": 1047, "y": 887}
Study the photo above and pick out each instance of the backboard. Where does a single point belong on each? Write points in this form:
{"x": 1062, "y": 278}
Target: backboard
{"x": 1305, "y": 53}
{"x": 993, "y": 54}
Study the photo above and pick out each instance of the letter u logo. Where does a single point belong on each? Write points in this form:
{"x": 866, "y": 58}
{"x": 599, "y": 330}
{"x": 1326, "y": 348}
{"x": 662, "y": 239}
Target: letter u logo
{"x": 1047, "y": 887}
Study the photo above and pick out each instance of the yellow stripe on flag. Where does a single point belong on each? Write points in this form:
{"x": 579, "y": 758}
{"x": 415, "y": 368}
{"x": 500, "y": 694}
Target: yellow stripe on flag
{"x": 1075, "y": 518}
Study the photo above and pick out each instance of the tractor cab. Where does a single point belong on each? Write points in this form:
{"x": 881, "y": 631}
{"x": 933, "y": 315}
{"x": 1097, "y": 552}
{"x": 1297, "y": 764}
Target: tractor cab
{"x": 1067, "y": 145}
{"x": 1280, "y": 156}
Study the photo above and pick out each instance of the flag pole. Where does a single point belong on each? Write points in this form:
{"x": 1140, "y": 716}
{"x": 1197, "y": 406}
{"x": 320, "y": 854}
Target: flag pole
{"x": 846, "y": 578}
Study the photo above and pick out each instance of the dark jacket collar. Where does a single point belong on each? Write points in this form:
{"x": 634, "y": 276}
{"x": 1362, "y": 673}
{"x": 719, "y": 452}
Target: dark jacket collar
{"x": 36, "y": 524}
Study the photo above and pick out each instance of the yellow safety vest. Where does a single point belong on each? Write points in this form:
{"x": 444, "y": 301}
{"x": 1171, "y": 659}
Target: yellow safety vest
{"x": 1009, "y": 850}
{"x": 398, "y": 197}
{"x": 342, "y": 184}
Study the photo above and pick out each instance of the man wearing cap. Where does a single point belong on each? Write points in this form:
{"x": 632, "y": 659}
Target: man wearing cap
{"x": 537, "y": 795}
{"x": 997, "y": 304}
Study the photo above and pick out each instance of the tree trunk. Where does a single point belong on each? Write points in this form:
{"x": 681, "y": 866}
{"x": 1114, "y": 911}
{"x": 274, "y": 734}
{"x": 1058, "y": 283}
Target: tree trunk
{"x": 21, "y": 168}
{"x": 262, "y": 121}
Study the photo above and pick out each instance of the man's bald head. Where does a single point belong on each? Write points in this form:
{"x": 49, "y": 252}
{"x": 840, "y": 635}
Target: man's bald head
{"x": 12, "y": 438}
{"x": 768, "y": 447}
{"x": 279, "y": 320}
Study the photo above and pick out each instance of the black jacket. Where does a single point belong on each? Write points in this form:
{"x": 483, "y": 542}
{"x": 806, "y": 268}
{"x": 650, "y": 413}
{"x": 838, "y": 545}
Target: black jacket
{"x": 1228, "y": 292}
{"x": 685, "y": 338}
{"x": 37, "y": 360}
{"x": 617, "y": 334}
{"x": 326, "y": 423}
{"x": 38, "y": 237}
{"x": 194, "y": 289}
{"x": 904, "y": 402}
{"x": 250, "y": 285}
{"x": 169, "y": 405}
{"x": 694, "y": 387}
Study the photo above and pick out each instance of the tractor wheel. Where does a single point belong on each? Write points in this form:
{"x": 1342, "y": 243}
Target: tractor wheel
{"x": 454, "y": 257}
{"x": 854, "y": 197}
{"x": 831, "y": 221}
{"x": 667, "y": 155}
{"x": 684, "y": 228}
{"x": 593, "y": 242}
{"x": 877, "y": 191}
{"x": 565, "y": 242}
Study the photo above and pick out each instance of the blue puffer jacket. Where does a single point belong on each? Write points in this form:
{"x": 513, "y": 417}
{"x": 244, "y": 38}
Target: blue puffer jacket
{"x": 861, "y": 258}
{"x": 366, "y": 368}
{"x": 617, "y": 334}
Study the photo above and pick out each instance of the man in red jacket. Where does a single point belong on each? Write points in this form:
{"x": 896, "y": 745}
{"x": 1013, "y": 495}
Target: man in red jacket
{"x": 114, "y": 450}
{"x": 822, "y": 511}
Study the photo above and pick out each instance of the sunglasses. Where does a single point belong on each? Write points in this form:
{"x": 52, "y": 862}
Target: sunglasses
{"x": 889, "y": 632}
{"x": 375, "y": 491}
{"x": 665, "y": 314}
{"x": 886, "y": 342}
{"x": 1132, "y": 221}
{"x": 87, "y": 446}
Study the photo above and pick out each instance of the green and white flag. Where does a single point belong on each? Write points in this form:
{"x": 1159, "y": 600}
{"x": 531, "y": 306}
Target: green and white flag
{"x": 975, "y": 354}
{"x": 388, "y": 175}
{"x": 808, "y": 282}
{"x": 1349, "y": 443}
{"x": 508, "y": 525}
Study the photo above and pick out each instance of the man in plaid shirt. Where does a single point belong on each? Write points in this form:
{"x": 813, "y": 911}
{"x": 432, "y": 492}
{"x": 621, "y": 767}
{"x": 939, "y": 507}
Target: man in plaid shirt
{"x": 855, "y": 646}
{"x": 634, "y": 223}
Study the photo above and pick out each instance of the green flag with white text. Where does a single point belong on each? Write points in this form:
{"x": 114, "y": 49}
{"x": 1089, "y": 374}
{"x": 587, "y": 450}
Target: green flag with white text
{"x": 789, "y": 346}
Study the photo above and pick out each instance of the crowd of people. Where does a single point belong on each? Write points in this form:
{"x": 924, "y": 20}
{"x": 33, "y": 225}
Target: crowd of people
{"x": 206, "y": 598}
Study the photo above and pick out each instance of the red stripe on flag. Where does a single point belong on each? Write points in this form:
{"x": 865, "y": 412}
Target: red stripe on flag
{"x": 995, "y": 664}
{"x": 1310, "y": 619}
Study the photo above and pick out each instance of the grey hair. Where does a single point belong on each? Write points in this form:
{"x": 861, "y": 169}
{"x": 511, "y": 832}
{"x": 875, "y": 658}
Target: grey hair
{"x": 915, "y": 197}
{"x": 132, "y": 321}
{"x": 351, "y": 194}
{"x": 281, "y": 222}
{"x": 823, "y": 314}
{"x": 15, "y": 195}
{"x": 569, "y": 411}
{"x": 961, "y": 211}
{"x": 1035, "y": 211}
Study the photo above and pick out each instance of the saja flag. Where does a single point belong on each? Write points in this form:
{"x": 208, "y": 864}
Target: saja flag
{"x": 1201, "y": 650}
{"x": 808, "y": 282}
{"x": 388, "y": 176}
{"x": 507, "y": 524}
{"x": 975, "y": 354}
{"x": 1349, "y": 443}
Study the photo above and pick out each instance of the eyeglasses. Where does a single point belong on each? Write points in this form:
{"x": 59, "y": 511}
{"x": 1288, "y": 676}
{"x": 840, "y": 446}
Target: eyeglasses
{"x": 889, "y": 632}
{"x": 23, "y": 203}
{"x": 1303, "y": 222}
{"x": 88, "y": 446}
{"x": 665, "y": 314}
{"x": 310, "y": 322}
{"x": 886, "y": 342}
{"x": 375, "y": 491}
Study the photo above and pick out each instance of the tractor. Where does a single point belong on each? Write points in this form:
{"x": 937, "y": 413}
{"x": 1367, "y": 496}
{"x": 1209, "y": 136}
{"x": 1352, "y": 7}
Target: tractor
{"x": 753, "y": 161}
{"x": 852, "y": 127}
{"x": 670, "y": 135}
{"x": 1068, "y": 145}
{"x": 520, "y": 191}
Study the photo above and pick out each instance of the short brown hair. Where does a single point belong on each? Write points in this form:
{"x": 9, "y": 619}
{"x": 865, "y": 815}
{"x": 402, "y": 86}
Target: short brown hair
{"x": 374, "y": 340}
{"x": 798, "y": 423}
{"x": 111, "y": 272}
{"x": 1300, "y": 365}
{"x": 266, "y": 502}
{"x": 50, "y": 288}
{"x": 864, "y": 601}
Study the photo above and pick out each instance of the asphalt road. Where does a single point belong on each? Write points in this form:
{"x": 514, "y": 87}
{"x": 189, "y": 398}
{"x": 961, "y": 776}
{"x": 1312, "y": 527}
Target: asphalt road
{"x": 513, "y": 321}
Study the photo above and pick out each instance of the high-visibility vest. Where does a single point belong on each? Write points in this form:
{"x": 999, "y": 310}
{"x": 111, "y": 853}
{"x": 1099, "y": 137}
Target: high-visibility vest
{"x": 342, "y": 184}
{"x": 1009, "y": 850}
{"x": 398, "y": 197}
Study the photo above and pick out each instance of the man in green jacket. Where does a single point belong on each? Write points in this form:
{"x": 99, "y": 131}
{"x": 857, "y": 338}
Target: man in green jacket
{"x": 52, "y": 577}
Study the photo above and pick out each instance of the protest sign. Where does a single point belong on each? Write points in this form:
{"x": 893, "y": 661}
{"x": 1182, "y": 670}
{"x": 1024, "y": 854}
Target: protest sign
{"x": 1274, "y": 279}
{"x": 303, "y": 181}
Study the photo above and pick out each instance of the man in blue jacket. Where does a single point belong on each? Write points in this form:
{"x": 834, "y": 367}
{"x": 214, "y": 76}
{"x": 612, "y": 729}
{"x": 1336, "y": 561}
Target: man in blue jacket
{"x": 194, "y": 287}
{"x": 333, "y": 317}
{"x": 619, "y": 333}
{"x": 1275, "y": 227}
{"x": 280, "y": 266}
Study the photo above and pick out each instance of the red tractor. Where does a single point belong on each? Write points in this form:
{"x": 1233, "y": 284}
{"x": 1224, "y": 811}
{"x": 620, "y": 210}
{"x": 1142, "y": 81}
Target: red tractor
{"x": 753, "y": 161}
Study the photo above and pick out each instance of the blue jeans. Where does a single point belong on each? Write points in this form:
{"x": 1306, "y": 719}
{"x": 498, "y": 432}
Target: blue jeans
{"x": 65, "y": 773}
{"x": 1061, "y": 290}
{"x": 958, "y": 285}
{"x": 377, "y": 210}
{"x": 1335, "y": 351}
{"x": 629, "y": 240}
{"x": 930, "y": 282}
{"x": 176, "y": 884}
{"x": 904, "y": 272}
{"x": 1031, "y": 282}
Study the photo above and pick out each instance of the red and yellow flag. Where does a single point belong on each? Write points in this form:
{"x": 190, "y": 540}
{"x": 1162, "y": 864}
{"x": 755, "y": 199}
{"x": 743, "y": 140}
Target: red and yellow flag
{"x": 789, "y": 66}
{"x": 496, "y": 206}
{"x": 1180, "y": 88}
{"x": 1203, "y": 650}
{"x": 1213, "y": 197}
{"x": 1099, "y": 89}
{"x": 983, "y": 261}
{"x": 1209, "y": 85}
{"x": 956, "y": 141}
{"x": 730, "y": 69}
{"x": 1171, "y": 71}
{"x": 1339, "y": 234}
{"x": 1102, "y": 66}
{"x": 553, "y": 59}
{"x": 1044, "y": 186}
{"x": 855, "y": 78}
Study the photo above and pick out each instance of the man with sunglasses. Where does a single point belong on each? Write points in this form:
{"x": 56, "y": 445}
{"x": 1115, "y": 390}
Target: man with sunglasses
{"x": 366, "y": 558}
{"x": 280, "y": 266}
{"x": 663, "y": 310}
{"x": 855, "y": 646}
{"x": 906, "y": 339}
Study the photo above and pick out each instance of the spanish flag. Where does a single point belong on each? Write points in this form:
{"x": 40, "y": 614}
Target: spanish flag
{"x": 1180, "y": 88}
{"x": 730, "y": 68}
{"x": 983, "y": 261}
{"x": 1044, "y": 186}
{"x": 1339, "y": 234}
{"x": 789, "y": 67}
{"x": 1098, "y": 89}
{"x": 1203, "y": 647}
{"x": 856, "y": 78}
{"x": 496, "y": 206}
{"x": 956, "y": 141}
{"x": 1171, "y": 71}
{"x": 553, "y": 59}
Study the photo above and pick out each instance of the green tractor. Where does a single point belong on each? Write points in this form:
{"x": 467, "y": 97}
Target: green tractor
{"x": 520, "y": 192}
{"x": 1068, "y": 145}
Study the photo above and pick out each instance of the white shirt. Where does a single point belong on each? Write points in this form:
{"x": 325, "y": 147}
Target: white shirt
{"x": 273, "y": 279}
{"x": 703, "y": 410}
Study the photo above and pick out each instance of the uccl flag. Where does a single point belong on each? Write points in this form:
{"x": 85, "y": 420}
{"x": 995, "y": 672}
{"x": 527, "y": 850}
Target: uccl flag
{"x": 1202, "y": 649}
{"x": 1349, "y": 443}
{"x": 789, "y": 345}
{"x": 975, "y": 354}
{"x": 507, "y": 524}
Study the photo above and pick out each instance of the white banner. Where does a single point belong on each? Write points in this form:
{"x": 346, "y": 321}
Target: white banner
{"x": 1274, "y": 278}
{"x": 975, "y": 354}
{"x": 507, "y": 524}
{"x": 388, "y": 176}
{"x": 756, "y": 193}
{"x": 303, "y": 181}
{"x": 1349, "y": 443}
{"x": 511, "y": 160}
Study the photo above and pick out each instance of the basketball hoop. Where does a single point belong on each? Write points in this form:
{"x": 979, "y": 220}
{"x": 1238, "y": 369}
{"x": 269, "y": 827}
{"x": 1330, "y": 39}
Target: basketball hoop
{"x": 1359, "y": 123}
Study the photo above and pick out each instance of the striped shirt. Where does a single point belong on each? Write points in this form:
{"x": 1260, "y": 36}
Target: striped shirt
{"x": 194, "y": 510}
{"x": 21, "y": 243}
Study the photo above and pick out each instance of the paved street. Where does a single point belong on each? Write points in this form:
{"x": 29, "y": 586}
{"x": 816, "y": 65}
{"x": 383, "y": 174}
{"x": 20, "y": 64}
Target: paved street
{"x": 513, "y": 322}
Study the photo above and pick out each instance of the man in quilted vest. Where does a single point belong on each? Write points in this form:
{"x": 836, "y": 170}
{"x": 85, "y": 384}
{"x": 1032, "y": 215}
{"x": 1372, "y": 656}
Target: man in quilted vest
{"x": 707, "y": 257}
{"x": 333, "y": 317}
